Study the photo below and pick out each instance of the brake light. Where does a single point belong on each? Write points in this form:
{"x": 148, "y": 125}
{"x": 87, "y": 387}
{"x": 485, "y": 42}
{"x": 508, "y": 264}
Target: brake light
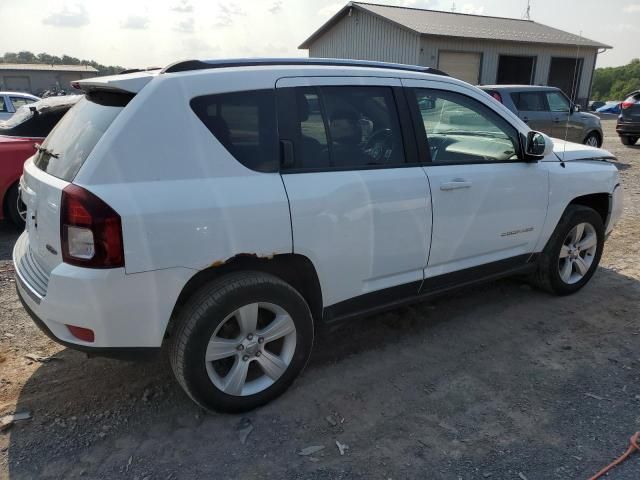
{"x": 90, "y": 230}
{"x": 628, "y": 103}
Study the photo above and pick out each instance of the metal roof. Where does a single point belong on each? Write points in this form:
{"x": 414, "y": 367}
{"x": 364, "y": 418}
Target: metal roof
{"x": 48, "y": 68}
{"x": 461, "y": 25}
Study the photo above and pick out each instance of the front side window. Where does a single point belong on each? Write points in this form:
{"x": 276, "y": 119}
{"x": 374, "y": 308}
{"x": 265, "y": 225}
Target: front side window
{"x": 346, "y": 127}
{"x": 3, "y": 105}
{"x": 460, "y": 129}
{"x": 245, "y": 124}
{"x": 529, "y": 101}
{"x": 557, "y": 102}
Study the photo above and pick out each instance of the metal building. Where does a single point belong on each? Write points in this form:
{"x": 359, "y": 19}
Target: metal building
{"x": 36, "y": 78}
{"x": 475, "y": 48}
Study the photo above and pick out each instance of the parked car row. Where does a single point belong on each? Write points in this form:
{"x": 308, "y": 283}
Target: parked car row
{"x": 28, "y": 126}
{"x": 229, "y": 208}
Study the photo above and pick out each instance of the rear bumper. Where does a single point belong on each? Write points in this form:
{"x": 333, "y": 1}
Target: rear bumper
{"x": 628, "y": 128}
{"x": 125, "y": 312}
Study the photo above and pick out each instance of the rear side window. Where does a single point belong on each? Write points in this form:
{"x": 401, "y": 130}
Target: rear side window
{"x": 3, "y": 105}
{"x": 342, "y": 127}
{"x": 245, "y": 124}
{"x": 67, "y": 147}
{"x": 529, "y": 101}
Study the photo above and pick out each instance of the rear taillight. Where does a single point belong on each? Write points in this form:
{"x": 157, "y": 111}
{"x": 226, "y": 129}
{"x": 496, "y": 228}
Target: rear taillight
{"x": 497, "y": 96}
{"x": 629, "y": 102}
{"x": 90, "y": 230}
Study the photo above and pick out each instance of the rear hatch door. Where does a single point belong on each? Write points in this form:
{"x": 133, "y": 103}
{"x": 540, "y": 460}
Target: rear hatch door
{"x": 56, "y": 164}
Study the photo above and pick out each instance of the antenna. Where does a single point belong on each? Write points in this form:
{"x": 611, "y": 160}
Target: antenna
{"x": 527, "y": 13}
{"x": 574, "y": 87}
{"x": 453, "y": 7}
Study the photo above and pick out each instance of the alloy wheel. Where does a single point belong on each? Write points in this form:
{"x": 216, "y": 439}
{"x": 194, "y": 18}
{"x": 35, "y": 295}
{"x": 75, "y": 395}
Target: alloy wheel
{"x": 577, "y": 253}
{"x": 251, "y": 349}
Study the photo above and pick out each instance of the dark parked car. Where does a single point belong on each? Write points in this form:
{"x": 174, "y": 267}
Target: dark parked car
{"x": 548, "y": 110}
{"x": 596, "y": 104}
{"x": 628, "y": 126}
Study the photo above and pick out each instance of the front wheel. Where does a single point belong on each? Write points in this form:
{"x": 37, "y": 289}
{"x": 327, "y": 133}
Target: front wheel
{"x": 593, "y": 140}
{"x": 573, "y": 252}
{"x": 627, "y": 140}
{"x": 241, "y": 341}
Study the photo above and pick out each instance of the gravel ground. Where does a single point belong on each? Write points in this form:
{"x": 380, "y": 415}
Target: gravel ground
{"x": 499, "y": 381}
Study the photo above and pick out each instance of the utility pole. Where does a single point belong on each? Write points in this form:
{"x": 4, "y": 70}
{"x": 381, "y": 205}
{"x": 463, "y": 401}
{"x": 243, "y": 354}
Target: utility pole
{"x": 527, "y": 13}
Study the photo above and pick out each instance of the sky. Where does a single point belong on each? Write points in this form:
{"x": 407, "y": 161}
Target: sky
{"x": 141, "y": 33}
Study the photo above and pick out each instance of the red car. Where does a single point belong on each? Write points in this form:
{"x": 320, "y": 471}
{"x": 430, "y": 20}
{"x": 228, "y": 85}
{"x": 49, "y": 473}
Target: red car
{"x": 18, "y": 136}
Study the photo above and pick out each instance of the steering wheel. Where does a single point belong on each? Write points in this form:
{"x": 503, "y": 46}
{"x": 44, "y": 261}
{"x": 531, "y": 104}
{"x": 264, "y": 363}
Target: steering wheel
{"x": 379, "y": 146}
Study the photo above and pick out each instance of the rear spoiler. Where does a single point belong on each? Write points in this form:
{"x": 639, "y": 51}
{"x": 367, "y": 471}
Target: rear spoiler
{"x": 129, "y": 83}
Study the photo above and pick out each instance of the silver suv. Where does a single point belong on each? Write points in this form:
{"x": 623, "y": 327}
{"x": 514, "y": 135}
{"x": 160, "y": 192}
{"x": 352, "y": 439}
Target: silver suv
{"x": 548, "y": 110}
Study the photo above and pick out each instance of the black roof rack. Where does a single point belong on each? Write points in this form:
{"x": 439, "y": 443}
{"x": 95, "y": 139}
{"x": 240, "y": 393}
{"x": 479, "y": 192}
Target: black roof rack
{"x": 189, "y": 65}
{"x": 136, "y": 70}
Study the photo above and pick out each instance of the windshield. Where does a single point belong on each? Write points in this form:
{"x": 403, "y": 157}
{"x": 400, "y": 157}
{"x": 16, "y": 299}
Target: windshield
{"x": 72, "y": 140}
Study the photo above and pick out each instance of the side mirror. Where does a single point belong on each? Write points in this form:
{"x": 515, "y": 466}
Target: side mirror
{"x": 538, "y": 146}
{"x": 426, "y": 103}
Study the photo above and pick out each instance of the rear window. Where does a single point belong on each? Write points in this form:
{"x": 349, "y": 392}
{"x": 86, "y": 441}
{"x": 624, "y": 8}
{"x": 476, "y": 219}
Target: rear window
{"x": 245, "y": 123}
{"x": 72, "y": 140}
{"x": 529, "y": 101}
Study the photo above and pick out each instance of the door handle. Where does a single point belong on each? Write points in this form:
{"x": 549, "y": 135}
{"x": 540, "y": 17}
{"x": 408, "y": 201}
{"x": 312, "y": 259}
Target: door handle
{"x": 455, "y": 185}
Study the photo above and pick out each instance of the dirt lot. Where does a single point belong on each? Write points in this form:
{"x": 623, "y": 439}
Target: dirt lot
{"x": 500, "y": 381}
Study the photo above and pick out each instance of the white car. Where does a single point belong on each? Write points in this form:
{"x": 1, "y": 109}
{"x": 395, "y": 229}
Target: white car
{"x": 11, "y": 101}
{"x": 230, "y": 208}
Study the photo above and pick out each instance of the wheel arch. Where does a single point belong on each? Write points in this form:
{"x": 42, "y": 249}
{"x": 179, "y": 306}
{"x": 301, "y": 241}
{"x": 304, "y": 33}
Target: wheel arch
{"x": 297, "y": 270}
{"x": 600, "y": 202}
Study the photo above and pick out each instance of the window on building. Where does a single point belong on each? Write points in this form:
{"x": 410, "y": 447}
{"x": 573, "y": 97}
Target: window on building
{"x": 245, "y": 124}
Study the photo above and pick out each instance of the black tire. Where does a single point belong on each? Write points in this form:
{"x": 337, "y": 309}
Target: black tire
{"x": 593, "y": 135}
{"x": 206, "y": 310}
{"x": 11, "y": 206}
{"x": 627, "y": 140}
{"x": 547, "y": 275}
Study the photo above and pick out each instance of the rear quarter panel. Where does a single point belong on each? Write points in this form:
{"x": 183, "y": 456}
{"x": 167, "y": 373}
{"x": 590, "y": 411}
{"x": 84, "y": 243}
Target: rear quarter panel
{"x": 183, "y": 199}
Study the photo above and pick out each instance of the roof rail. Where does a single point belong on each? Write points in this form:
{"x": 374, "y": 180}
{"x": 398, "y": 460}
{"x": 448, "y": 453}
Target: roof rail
{"x": 136, "y": 70}
{"x": 189, "y": 65}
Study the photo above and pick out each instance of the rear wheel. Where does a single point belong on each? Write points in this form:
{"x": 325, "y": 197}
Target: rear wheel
{"x": 573, "y": 252}
{"x": 593, "y": 140}
{"x": 627, "y": 140}
{"x": 241, "y": 341}
{"x": 15, "y": 210}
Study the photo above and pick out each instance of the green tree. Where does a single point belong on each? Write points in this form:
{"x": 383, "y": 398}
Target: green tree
{"x": 615, "y": 83}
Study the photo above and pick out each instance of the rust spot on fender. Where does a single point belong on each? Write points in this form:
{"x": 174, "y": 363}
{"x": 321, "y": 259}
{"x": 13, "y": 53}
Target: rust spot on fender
{"x": 219, "y": 263}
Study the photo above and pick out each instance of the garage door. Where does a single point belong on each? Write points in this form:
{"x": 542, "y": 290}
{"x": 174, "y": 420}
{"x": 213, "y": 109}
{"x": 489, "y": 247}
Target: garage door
{"x": 462, "y": 65}
{"x": 17, "y": 83}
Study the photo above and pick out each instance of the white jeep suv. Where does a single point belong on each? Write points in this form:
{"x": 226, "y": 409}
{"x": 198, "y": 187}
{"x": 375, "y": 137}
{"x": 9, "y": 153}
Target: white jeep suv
{"x": 231, "y": 207}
